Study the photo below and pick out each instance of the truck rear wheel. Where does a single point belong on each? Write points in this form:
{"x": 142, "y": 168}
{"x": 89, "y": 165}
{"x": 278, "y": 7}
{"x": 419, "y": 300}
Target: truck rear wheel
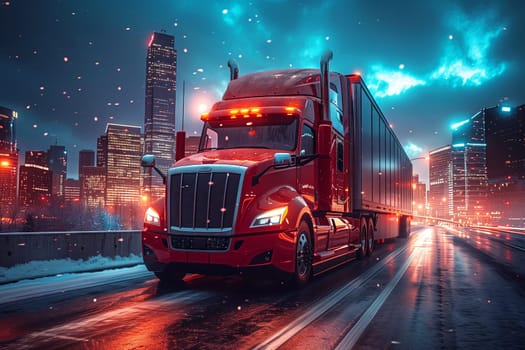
{"x": 363, "y": 238}
{"x": 404, "y": 226}
{"x": 370, "y": 237}
{"x": 303, "y": 255}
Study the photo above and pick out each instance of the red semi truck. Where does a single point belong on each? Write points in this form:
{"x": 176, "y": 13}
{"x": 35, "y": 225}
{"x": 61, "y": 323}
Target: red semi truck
{"x": 298, "y": 171}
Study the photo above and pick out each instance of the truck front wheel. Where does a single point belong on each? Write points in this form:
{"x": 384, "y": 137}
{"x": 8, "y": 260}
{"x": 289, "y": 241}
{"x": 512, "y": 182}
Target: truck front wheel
{"x": 170, "y": 276}
{"x": 303, "y": 255}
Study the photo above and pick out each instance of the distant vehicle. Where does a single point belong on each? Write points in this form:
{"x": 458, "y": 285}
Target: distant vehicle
{"x": 297, "y": 172}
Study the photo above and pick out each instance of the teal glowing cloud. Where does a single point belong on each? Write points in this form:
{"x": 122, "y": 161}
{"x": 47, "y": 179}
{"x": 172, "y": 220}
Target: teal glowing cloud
{"x": 385, "y": 83}
{"x": 466, "y": 61}
{"x": 232, "y": 15}
{"x": 413, "y": 150}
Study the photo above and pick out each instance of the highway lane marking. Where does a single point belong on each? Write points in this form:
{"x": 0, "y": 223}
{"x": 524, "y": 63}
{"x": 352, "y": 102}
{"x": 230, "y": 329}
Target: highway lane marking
{"x": 360, "y": 326}
{"x": 324, "y": 305}
{"x": 58, "y": 336}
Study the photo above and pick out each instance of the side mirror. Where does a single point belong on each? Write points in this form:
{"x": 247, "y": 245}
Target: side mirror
{"x": 148, "y": 161}
{"x": 280, "y": 159}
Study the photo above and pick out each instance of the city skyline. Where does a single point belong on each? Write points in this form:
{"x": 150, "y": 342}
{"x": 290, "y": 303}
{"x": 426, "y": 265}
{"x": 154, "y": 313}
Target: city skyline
{"x": 67, "y": 80}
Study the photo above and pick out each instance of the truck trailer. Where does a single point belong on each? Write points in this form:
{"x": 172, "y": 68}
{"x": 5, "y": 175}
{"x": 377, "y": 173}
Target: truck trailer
{"x": 298, "y": 171}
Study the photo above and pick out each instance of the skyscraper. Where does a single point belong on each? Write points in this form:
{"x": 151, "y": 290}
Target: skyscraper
{"x": 57, "y": 163}
{"x": 440, "y": 193}
{"x": 505, "y": 134}
{"x": 123, "y": 150}
{"x": 469, "y": 170}
{"x": 419, "y": 196}
{"x": 35, "y": 181}
{"x": 8, "y": 162}
{"x": 86, "y": 159}
{"x": 159, "y": 117}
{"x": 93, "y": 187}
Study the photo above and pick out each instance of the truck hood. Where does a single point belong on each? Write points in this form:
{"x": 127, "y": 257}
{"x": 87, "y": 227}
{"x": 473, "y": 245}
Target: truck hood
{"x": 246, "y": 157}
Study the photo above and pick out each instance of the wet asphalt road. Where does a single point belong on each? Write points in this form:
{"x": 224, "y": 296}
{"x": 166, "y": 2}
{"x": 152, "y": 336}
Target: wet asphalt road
{"x": 435, "y": 290}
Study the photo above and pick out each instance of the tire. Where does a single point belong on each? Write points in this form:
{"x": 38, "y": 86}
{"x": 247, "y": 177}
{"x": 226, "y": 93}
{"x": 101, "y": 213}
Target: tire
{"x": 404, "y": 227}
{"x": 363, "y": 238}
{"x": 370, "y": 238}
{"x": 303, "y": 255}
{"x": 170, "y": 276}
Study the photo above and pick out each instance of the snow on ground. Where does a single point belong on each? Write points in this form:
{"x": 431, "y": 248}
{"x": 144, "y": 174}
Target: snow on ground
{"x": 35, "y": 269}
{"x": 60, "y": 283}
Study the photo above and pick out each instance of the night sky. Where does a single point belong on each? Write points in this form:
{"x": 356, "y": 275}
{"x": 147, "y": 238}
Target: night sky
{"x": 70, "y": 67}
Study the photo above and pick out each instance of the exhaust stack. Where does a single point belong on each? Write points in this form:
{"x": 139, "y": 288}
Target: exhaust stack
{"x": 234, "y": 69}
{"x": 325, "y": 81}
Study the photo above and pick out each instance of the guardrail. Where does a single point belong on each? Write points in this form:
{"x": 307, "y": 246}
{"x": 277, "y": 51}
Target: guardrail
{"x": 23, "y": 247}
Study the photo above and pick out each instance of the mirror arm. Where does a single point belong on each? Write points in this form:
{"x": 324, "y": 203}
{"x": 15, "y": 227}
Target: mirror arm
{"x": 162, "y": 175}
{"x": 255, "y": 178}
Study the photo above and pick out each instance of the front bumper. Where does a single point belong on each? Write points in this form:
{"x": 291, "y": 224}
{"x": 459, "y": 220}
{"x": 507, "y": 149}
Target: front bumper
{"x": 260, "y": 253}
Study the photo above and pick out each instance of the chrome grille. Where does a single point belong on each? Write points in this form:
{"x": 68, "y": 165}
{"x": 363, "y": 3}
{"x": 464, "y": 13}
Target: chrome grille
{"x": 203, "y": 200}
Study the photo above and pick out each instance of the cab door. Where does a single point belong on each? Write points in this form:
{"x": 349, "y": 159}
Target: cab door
{"x": 306, "y": 173}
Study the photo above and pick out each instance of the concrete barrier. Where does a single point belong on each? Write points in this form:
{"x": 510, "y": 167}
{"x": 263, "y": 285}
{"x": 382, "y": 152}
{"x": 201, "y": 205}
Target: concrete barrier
{"x": 23, "y": 247}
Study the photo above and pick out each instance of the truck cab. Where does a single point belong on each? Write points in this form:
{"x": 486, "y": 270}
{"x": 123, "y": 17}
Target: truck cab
{"x": 270, "y": 190}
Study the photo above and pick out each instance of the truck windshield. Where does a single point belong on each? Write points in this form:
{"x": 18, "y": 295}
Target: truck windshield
{"x": 272, "y": 132}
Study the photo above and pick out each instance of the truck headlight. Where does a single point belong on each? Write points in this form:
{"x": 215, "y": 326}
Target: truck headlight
{"x": 152, "y": 217}
{"x": 272, "y": 217}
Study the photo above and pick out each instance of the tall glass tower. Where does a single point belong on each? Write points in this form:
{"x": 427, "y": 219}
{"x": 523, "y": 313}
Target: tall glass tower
{"x": 159, "y": 117}
{"x": 57, "y": 162}
{"x": 8, "y": 162}
{"x": 469, "y": 170}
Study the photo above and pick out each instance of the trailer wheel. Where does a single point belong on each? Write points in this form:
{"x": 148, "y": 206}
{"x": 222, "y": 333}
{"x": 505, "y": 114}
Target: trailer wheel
{"x": 404, "y": 226}
{"x": 371, "y": 241}
{"x": 303, "y": 255}
{"x": 363, "y": 238}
